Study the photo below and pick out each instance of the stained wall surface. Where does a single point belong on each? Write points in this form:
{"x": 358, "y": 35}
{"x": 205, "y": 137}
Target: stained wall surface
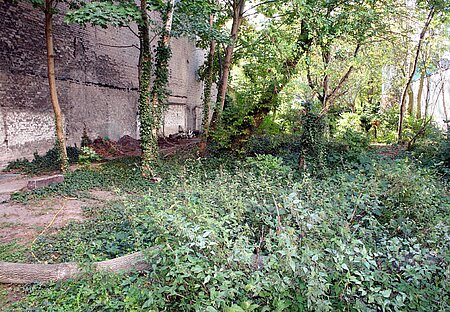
{"x": 97, "y": 83}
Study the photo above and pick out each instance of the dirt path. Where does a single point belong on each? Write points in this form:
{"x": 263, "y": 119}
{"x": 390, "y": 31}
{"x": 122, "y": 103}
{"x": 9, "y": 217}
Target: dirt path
{"x": 389, "y": 150}
{"x": 21, "y": 223}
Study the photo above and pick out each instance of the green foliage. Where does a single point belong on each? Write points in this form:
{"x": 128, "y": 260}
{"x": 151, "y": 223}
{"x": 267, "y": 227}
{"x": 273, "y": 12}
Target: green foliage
{"x": 349, "y": 131}
{"x": 389, "y": 123}
{"x": 191, "y": 19}
{"x": 87, "y": 155}
{"x": 46, "y": 163}
{"x": 434, "y": 152}
{"x": 274, "y": 144}
{"x": 160, "y": 84}
{"x": 104, "y": 13}
{"x": 243, "y": 235}
{"x": 12, "y": 252}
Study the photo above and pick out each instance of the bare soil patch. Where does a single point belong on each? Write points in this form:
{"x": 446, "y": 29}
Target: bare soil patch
{"x": 128, "y": 146}
{"x": 388, "y": 150}
{"x": 21, "y": 223}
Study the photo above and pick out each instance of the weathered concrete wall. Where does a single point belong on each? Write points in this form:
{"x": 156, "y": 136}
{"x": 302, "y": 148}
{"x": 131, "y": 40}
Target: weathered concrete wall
{"x": 97, "y": 82}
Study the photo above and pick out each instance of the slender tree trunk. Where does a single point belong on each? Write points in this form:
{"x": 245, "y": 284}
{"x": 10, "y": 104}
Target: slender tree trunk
{"x": 419, "y": 95}
{"x": 207, "y": 93}
{"x": 410, "y": 101}
{"x": 427, "y": 98}
{"x": 444, "y": 103}
{"x": 149, "y": 142}
{"x": 61, "y": 142}
{"x": 238, "y": 11}
{"x": 328, "y": 99}
{"x": 410, "y": 106}
{"x": 326, "y": 58}
{"x": 411, "y": 75}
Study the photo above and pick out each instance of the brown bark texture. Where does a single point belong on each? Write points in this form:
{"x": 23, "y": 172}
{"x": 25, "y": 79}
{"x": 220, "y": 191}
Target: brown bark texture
{"x": 238, "y": 12}
{"x": 60, "y": 137}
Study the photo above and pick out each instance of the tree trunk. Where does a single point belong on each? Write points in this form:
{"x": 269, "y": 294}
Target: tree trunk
{"x": 149, "y": 142}
{"x": 22, "y": 273}
{"x": 270, "y": 95}
{"x": 410, "y": 101}
{"x": 411, "y": 75}
{"x": 326, "y": 58}
{"x": 163, "y": 53}
{"x": 60, "y": 137}
{"x": 444, "y": 104}
{"x": 328, "y": 99}
{"x": 419, "y": 95}
{"x": 238, "y": 11}
{"x": 207, "y": 93}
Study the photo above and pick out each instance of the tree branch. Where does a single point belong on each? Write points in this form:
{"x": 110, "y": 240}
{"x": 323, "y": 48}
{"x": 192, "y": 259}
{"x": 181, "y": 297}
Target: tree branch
{"x": 330, "y": 97}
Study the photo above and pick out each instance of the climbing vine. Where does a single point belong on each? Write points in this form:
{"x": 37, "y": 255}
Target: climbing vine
{"x": 160, "y": 91}
{"x": 159, "y": 94}
{"x": 148, "y": 140}
{"x": 312, "y": 138}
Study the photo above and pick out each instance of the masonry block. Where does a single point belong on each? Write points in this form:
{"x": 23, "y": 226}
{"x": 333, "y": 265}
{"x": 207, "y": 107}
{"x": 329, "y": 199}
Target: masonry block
{"x": 43, "y": 182}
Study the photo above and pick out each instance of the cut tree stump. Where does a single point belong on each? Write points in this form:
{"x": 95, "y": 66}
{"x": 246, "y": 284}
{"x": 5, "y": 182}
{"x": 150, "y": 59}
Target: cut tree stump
{"x": 22, "y": 273}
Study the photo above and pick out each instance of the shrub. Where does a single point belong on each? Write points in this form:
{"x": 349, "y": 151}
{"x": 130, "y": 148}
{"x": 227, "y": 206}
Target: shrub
{"x": 48, "y": 162}
{"x": 87, "y": 156}
{"x": 349, "y": 131}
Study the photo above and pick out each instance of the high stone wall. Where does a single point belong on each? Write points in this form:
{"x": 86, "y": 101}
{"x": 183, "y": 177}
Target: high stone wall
{"x": 96, "y": 72}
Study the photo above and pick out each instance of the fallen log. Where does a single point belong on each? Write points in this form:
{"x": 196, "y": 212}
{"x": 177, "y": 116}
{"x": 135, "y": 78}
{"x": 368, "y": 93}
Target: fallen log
{"x": 23, "y": 273}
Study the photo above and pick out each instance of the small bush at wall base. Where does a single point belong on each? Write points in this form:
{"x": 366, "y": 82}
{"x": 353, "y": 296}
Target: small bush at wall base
{"x": 87, "y": 155}
{"x": 46, "y": 163}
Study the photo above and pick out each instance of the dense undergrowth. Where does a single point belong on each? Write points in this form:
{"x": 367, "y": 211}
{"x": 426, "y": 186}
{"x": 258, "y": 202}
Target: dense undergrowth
{"x": 255, "y": 234}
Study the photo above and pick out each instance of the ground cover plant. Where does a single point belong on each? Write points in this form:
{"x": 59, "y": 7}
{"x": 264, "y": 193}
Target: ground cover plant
{"x": 255, "y": 234}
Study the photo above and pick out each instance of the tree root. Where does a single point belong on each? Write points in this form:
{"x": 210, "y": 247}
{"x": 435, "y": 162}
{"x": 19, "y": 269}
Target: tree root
{"x": 21, "y": 273}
